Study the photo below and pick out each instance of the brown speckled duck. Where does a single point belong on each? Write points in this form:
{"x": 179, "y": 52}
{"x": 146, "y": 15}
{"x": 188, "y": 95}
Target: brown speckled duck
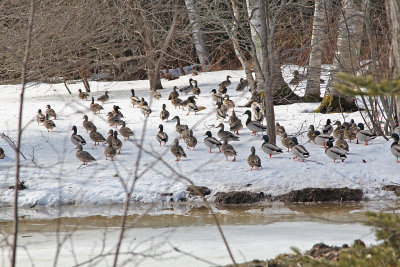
{"x": 164, "y": 114}
{"x": 177, "y": 150}
{"x": 190, "y": 140}
{"x": 84, "y": 156}
{"x": 125, "y": 131}
{"x": 51, "y": 112}
{"x": 88, "y": 125}
{"x": 96, "y": 137}
{"x": 40, "y": 117}
{"x": 110, "y": 151}
{"x": 253, "y": 160}
{"x": 116, "y": 143}
{"x": 49, "y": 124}
{"x": 104, "y": 98}
{"x": 82, "y": 95}
{"x": 95, "y": 107}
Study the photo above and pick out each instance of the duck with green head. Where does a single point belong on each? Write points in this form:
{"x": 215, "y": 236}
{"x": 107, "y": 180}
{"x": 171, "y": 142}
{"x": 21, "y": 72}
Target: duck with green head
{"x": 253, "y": 126}
{"x": 270, "y": 148}
{"x": 334, "y": 152}
{"x": 364, "y": 135}
{"x": 212, "y": 142}
{"x": 299, "y": 151}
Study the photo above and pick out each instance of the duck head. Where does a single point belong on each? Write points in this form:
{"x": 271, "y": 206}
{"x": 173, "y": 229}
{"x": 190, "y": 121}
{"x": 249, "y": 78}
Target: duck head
{"x": 395, "y": 137}
{"x": 176, "y": 141}
{"x": 361, "y": 126}
{"x": 253, "y": 150}
{"x": 213, "y": 91}
{"x": 39, "y": 111}
{"x": 133, "y": 92}
{"x": 74, "y": 129}
{"x": 161, "y": 127}
{"x": 247, "y": 112}
{"x": 296, "y": 72}
{"x": 328, "y": 121}
{"x": 329, "y": 144}
{"x": 221, "y": 125}
{"x": 311, "y": 128}
{"x": 164, "y": 106}
{"x": 208, "y": 133}
{"x": 265, "y": 138}
{"x": 317, "y": 133}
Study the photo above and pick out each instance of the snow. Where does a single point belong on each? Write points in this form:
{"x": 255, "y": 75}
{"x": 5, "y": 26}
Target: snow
{"x": 54, "y": 176}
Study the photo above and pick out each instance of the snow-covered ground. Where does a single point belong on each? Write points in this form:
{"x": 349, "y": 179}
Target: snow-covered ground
{"x": 54, "y": 176}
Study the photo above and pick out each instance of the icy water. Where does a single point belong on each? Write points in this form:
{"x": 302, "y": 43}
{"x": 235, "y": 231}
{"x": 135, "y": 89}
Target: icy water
{"x": 182, "y": 235}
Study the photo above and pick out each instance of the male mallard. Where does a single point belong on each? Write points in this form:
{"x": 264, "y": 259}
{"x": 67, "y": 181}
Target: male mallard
{"x": 279, "y": 130}
{"x": 88, "y": 125}
{"x": 113, "y": 119}
{"x": 164, "y": 114}
{"x": 110, "y": 136}
{"x": 334, "y": 152}
{"x": 180, "y": 128}
{"x": 253, "y": 160}
{"x": 2, "y": 154}
{"x": 96, "y": 137}
{"x": 221, "y": 111}
{"x": 226, "y": 83}
{"x": 173, "y": 94}
{"x": 196, "y": 90}
{"x": 156, "y": 94}
{"x": 327, "y": 128}
{"x": 188, "y": 88}
{"x": 339, "y": 129}
{"x": 145, "y": 109}
{"x": 40, "y": 117}
{"x": 228, "y": 150}
{"x": 104, "y": 98}
{"x": 49, "y": 124}
{"x": 321, "y": 139}
{"x": 95, "y": 107}
{"x": 242, "y": 85}
{"x": 287, "y": 141}
{"x": 253, "y": 126}
{"x": 82, "y": 95}
{"x": 270, "y": 148}
{"x": 110, "y": 151}
{"x": 84, "y": 156}
{"x": 228, "y": 102}
{"x": 212, "y": 142}
{"x": 134, "y": 99}
{"x": 126, "y": 132}
{"x": 190, "y": 140}
{"x": 76, "y": 139}
{"x": 395, "y": 147}
{"x": 216, "y": 97}
{"x": 235, "y": 123}
{"x": 259, "y": 115}
{"x": 51, "y": 112}
{"x": 177, "y": 150}
{"x": 364, "y": 135}
{"x": 226, "y": 134}
{"x": 299, "y": 151}
{"x": 341, "y": 143}
{"x": 116, "y": 143}
{"x": 191, "y": 105}
{"x": 162, "y": 136}
{"x": 116, "y": 113}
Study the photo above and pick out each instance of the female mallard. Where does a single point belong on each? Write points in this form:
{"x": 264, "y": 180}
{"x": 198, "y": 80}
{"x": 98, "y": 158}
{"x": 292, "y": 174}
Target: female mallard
{"x": 116, "y": 143}
{"x": 321, "y": 139}
{"x": 104, "y": 98}
{"x": 84, "y": 156}
{"x": 134, "y": 99}
{"x": 287, "y": 141}
{"x": 173, "y": 94}
{"x": 49, "y": 124}
{"x": 113, "y": 119}
{"x": 40, "y": 117}
{"x": 82, "y": 95}
{"x": 334, "y": 152}
{"x": 279, "y": 130}
{"x": 76, "y": 139}
{"x": 225, "y": 83}
{"x": 176, "y": 102}
{"x": 222, "y": 90}
{"x": 216, "y": 97}
{"x": 116, "y": 113}
{"x": 364, "y": 135}
{"x": 228, "y": 150}
{"x": 350, "y": 132}
{"x": 226, "y": 135}
{"x": 242, "y": 85}
{"x": 191, "y": 105}
{"x": 145, "y": 109}
{"x": 190, "y": 140}
{"x": 156, "y": 94}
{"x": 235, "y": 123}
{"x": 327, "y": 128}
{"x": 126, "y": 132}
{"x": 196, "y": 90}
{"x": 2, "y": 154}
{"x": 299, "y": 151}
{"x": 177, "y": 150}
{"x": 229, "y": 103}
{"x": 95, "y": 107}
{"x": 88, "y": 125}
{"x": 270, "y": 148}
{"x": 253, "y": 126}
{"x": 220, "y": 111}
{"x": 180, "y": 128}
{"x": 51, "y": 112}
{"x": 341, "y": 143}
{"x": 258, "y": 115}
{"x": 212, "y": 142}
{"x": 339, "y": 129}
{"x": 188, "y": 88}
{"x": 164, "y": 114}
{"x": 110, "y": 136}
{"x": 253, "y": 160}
{"x": 161, "y": 135}
{"x": 96, "y": 137}
{"x": 311, "y": 133}
{"x": 110, "y": 151}
{"x": 395, "y": 147}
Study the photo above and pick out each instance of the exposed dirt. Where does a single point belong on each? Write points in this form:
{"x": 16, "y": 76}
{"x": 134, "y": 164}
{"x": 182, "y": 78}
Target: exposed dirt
{"x": 194, "y": 190}
{"x": 240, "y": 197}
{"x": 322, "y": 195}
{"x": 394, "y": 188}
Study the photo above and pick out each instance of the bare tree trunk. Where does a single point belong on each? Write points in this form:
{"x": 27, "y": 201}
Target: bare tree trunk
{"x": 197, "y": 34}
{"x": 346, "y": 57}
{"x": 154, "y": 79}
{"x": 313, "y": 91}
{"x": 84, "y": 73}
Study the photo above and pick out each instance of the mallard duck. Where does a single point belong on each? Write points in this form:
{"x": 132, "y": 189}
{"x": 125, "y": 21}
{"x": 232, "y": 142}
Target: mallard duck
{"x": 226, "y": 135}
{"x": 235, "y": 123}
{"x": 270, "y": 148}
{"x": 191, "y": 105}
{"x": 311, "y": 133}
{"x": 88, "y": 125}
{"x": 76, "y": 139}
{"x": 110, "y": 151}
{"x": 2, "y": 153}
{"x": 395, "y": 147}
{"x": 321, "y": 139}
{"x": 145, "y": 109}
{"x": 173, "y": 94}
{"x": 82, "y": 95}
{"x": 190, "y": 140}
{"x": 176, "y": 102}
{"x": 221, "y": 111}
{"x": 177, "y": 150}
{"x": 113, "y": 119}
{"x": 195, "y": 90}
{"x": 216, "y": 97}
{"x": 180, "y": 128}
{"x": 134, "y": 99}
{"x": 228, "y": 150}
{"x": 116, "y": 143}
{"x": 279, "y": 130}
{"x": 95, "y": 107}
{"x": 222, "y": 90}
{"x": 188, "y": 88}
{"x": 185, "y": 134}
{"x": 228, "y": 102}
{"x": 327, "y": 128}
{"x": 299, "y": 151}
{"x": 341, "y": 143}
{"x": 40, "y": 117}
{"x": 96, "y": 137}
{"x": 51, "y": 112}
{"x": 49, "y": 124}
{"x": 110, "y": 136}
{"x": 253, "y": 160}
{"x": 287, "y": 141}
{"x": 116, "y": 113}
{"x": 162, "y": 136}
{"x": 164, "y": 114}
{"x": 156, "y": 94}
{"x": 242, "y": 85}
{"x": 334, "y": 152}
{"x": 297, "y": 78}
{"x": 338, "y": 129}
{"x": 104, "y": 98}
{"x": 84, "y": 156}
{"x": 364, "y": 135}
{"x": 126, "y": 132}
{"x": 253, "y": 126}
{"x": 212, "y": 142}
{"x": 350, "y": 132}
{"x": 225, "y": 83}
{"x": 259, "y": 115}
